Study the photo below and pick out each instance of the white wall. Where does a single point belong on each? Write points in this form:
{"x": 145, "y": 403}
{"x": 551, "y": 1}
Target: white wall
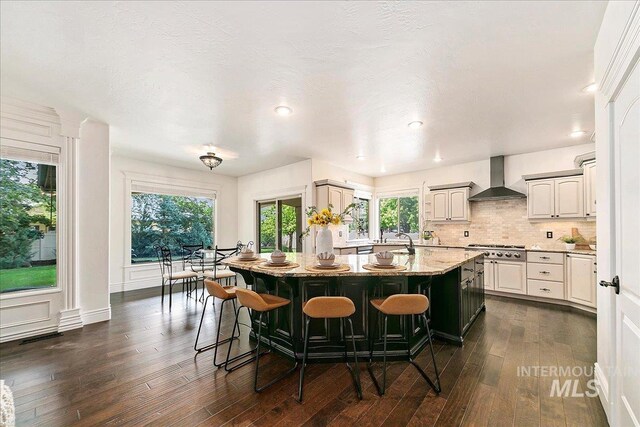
{"x": 321, "y": 169}
{"x": 279, "y": 182}
{"x": 93, "y": 221}
{"x": 515, "y": 166}
{"x": 125, "y": 277}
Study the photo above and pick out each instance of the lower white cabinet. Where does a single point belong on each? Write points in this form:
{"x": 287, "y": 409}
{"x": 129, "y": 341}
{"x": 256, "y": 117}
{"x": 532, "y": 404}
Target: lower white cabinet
{"x": 581, "y": 279}
{"x": 505, "y": 276}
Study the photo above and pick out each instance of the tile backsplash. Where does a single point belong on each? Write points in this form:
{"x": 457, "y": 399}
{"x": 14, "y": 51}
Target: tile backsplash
{"x": 505, "y": 222}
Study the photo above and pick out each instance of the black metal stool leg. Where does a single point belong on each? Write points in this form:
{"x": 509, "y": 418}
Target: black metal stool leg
{"x": 384, "y": 356}
{"x": 435, "y": 386}
{"x": 282, "y": 375}
{"x": 240, "y": 356}
{"x": 304, "y": 357}
{"x": 354, "y": 372}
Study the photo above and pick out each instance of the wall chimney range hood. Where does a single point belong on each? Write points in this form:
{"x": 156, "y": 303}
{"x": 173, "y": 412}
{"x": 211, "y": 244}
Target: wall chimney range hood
{"x": 497, "y": 191}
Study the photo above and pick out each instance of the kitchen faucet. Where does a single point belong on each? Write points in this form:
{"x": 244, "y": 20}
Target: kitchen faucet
{"x": 411, "y": 249}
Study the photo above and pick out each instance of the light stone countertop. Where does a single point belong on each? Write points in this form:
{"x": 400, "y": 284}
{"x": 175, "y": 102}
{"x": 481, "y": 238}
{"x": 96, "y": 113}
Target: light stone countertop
{"x": 423, "y": 263}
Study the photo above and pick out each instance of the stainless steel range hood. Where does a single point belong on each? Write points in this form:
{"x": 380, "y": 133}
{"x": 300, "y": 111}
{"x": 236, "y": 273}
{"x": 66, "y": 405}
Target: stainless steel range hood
{"x": 497, "y": 191}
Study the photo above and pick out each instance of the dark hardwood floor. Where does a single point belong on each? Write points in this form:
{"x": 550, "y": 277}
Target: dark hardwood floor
{"x": 140, "y": 369}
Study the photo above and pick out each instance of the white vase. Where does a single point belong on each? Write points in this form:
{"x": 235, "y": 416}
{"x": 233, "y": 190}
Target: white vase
{"x": 570, "y": 246}
{"x": 324, "y": 240}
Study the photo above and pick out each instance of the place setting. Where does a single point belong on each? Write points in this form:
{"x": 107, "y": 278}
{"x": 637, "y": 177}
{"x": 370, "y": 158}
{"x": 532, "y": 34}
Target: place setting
{"x": 278, "y": 260}
{"x": 326, "y": 261}
{"x": 384, "y": 262}
{"x": 247, "y": 254}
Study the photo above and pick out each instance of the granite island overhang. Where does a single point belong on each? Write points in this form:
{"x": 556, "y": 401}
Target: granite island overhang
{"x": 453, "y": 280}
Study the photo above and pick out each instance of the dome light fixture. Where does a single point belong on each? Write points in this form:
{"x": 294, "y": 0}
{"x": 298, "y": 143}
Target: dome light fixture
{"x": 210, "y": 160}
{"x": 415, "y": 125}
{"x": 283, "y": 110}
{"x": 577, "y": 133}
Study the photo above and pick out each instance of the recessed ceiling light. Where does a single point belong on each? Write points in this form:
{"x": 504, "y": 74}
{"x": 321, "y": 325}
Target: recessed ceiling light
{"x": 415, "y": 125}
{"x": 577, "y": 133}
{"x": 437, "y": 159}
{"x": 590, "y": 88}
{"x": 283, "y": 110}
{"x": 360, "y": 157}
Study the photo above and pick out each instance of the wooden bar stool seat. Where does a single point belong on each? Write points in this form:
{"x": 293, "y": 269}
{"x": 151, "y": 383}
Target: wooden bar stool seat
{"x": 263, "y": 304}
{"x": 401, "y": 305}
{"x": 330, "y": 308}
{"x": 223, "y": 293}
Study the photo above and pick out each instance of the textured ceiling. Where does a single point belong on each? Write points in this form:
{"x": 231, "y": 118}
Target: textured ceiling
{"x": 486, "y": 78}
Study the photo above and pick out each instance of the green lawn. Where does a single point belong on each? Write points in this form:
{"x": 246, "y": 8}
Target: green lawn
{"x": 27, "y": 278}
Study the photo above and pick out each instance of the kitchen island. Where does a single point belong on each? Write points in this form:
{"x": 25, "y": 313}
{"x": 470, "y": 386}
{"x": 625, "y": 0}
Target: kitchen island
{"x": 453, "y": 280}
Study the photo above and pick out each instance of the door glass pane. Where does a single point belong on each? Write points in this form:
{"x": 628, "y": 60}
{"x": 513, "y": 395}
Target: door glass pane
{"x": 408, "y": 217}
{"x": 266, "y": 227}
{"x": 388, "y": 218}
{"x": 28, "y": 240}
{"x": 290, "y": 225}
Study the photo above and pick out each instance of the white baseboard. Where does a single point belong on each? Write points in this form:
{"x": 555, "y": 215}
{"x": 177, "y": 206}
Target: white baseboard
{"x": 602, "y": 385}
{"x": 133, "y": 285}
{"x": 541, "y": 299}
{"x": 28, "y": 334}
{"x": 95, "y": 316}
{"x": 69, "y": 319}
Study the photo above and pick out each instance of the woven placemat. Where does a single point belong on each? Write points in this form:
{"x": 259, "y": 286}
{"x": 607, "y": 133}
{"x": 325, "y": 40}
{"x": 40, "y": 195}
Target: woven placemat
{"x": 373, "y": 267}
{"x": 314, "y": 269}
{"x": 245, "y": 260}
{"x": 289, "y": 266}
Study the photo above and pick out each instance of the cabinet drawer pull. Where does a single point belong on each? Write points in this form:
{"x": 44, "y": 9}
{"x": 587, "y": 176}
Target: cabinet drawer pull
{"x": 544, "y": 257}
{"x": 467, "y": 269}
{"x": 545, "y": 289}
{"x": 545, "y": 272}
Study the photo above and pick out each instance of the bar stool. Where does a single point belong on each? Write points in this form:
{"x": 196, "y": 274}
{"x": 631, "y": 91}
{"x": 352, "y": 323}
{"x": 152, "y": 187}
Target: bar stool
{"x": 261, "y": 303}
{"x": 224, "y": 293}
{"x": 401, "y": 305}
{"x": 330, "y": 308}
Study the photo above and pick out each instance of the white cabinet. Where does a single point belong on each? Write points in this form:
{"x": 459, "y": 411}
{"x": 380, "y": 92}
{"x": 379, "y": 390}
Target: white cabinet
{"x": 581, "y": 279}
{"x": 338, "y": 197}
{"x": 510, "y": 276}
{"x": 556, "y": 197}
{"x": 589, "y": 188}
{"x": 545, "y": 274}
{"x": 505, "y": 276}
{"x": 450, "y": 204}
{"x": 569, "y": 197}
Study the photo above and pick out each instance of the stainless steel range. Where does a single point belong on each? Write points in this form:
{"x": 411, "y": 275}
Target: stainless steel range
{"x": 509, "y": 252}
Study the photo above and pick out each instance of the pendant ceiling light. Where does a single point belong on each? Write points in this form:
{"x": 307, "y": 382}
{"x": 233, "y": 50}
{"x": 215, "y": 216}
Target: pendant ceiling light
{"x": 210, "y": 160}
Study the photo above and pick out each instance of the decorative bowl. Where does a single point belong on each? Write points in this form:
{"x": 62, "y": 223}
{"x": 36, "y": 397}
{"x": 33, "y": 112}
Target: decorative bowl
{"x": 593, "y": 247}
{"x": 246, "y": 253}
{"x": 384, "y": 258}
{"x": 278, "y": 257}
{"x": 326, "y": 258}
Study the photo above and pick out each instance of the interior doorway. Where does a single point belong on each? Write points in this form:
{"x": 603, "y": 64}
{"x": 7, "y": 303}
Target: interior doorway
{"x": 279, "y": 224}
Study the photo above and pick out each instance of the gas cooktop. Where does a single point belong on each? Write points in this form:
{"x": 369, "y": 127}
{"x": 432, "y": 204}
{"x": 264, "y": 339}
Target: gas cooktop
{"x": 477, "y": 245}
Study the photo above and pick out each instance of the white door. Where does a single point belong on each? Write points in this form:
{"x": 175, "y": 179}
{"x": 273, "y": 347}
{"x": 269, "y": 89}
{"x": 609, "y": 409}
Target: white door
{"x": 569, "y": 194}
{"x": 511, "y": 276}
{"x": 581, "y": 279}
{"x": 458, "y": 204}
{"x": 625, "y": 124}
{"x": 590, "y": 189}
{"x": 541, "y": 198}
{"x": 440, "y": 205}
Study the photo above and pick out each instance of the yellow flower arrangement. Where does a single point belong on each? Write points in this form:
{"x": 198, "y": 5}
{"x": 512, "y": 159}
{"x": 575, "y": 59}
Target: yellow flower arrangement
{"x": 325, "y": 216}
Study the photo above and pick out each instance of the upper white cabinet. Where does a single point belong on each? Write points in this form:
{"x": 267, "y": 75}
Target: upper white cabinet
{"x": 581, "y": 279}
{"x": 330, "y": 193}
{"x": 560, "y": 197}
{"x": 589, "y": 188}
{"x": 449, "y": 203}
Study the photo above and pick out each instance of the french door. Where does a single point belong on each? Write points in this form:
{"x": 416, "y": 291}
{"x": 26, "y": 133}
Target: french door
{"x": 279, "y": 224}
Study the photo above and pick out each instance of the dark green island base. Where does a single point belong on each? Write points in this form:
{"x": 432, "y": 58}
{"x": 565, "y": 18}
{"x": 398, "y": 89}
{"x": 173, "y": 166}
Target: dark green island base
{"x": 456, "y": 296}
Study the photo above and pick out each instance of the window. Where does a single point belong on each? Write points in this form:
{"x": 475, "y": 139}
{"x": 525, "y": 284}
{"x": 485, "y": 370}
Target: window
{"x": 399, "y": 215}
{"x": 359, "y": 228}
{"x": 169, "y": 220}
{"x": 280, "y": 225}
{"x": 28, "y": 240}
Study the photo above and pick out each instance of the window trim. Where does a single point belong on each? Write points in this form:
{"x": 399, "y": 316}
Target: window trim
{"x": 192, "y": 189}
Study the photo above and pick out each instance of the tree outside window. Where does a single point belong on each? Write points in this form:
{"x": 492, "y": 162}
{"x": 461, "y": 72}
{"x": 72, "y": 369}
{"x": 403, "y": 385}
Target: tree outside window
{"x": 399, "y": 215}
{"x": 28, "y": 241}
{"x": 172, "y": 221}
